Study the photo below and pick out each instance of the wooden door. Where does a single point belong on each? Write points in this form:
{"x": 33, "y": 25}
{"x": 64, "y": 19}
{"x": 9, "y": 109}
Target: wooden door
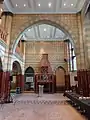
{"x": 60, "y": 79}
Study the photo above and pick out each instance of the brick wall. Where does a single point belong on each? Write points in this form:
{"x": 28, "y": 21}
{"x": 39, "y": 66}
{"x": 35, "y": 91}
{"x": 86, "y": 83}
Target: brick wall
{"x": 34, "y": 51}
{"x": 70, "y": 23}
{"x": 86, "y": 37}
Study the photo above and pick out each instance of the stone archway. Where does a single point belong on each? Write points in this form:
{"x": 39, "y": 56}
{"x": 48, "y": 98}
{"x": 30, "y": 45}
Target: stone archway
{"x": 60, "y": 79}
{"x": 16, "y": 68}
{"x": 68, "y": 23}
{"x": 16, "y": 76}
{"x": 59, "y": 24}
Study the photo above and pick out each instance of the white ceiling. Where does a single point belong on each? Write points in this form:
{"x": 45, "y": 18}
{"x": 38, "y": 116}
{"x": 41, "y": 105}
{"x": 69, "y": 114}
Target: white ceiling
{"x": 43, "y": 32}
{"x": 43, "y": 6}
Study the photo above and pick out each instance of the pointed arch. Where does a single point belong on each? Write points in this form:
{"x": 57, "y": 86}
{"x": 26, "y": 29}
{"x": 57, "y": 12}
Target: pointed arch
{"x": 58, "y": 24}
{"x": 29, "y": 70}
{"x": 60, "y": 67}
{"x": 16, "y": 67}
{"x": 60, "y": 79}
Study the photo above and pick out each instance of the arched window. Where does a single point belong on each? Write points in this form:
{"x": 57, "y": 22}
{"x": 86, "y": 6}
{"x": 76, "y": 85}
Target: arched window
{"x": 72, "y": 58}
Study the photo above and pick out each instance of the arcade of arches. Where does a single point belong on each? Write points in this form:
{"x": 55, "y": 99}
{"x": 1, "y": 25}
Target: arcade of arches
{"x": 44, "y": 49}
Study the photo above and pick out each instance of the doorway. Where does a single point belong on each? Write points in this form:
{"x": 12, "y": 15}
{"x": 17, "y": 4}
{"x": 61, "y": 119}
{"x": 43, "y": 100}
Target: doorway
{"x": 60, "y": 79}
{"x": 15, "y": 78}
{"x": 29, "y": 79}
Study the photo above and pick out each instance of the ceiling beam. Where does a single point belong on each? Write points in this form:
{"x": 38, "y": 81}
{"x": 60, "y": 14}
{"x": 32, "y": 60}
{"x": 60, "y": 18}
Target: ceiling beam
{"x": 51, "y": 30}
{"x": 11, "y": 3}
{"x": 29, "y": 5}
{"x": 58, "y": 5}
{"x": 54, "y": 32}
{"x": 54, "y": 5}
{"x": 38, "y": 30}
{"x": 35, "y": 33}
{"x": 32, "y": 4}
{"x": 24, "y": 36}
{"x": 77, "y": 4}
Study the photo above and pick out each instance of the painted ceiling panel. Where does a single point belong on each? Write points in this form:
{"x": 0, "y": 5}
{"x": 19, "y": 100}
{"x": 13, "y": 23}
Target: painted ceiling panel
{"x": 59, "y": 34}
{"x": 44, "y": 32}
{"x": 30, "y": 33}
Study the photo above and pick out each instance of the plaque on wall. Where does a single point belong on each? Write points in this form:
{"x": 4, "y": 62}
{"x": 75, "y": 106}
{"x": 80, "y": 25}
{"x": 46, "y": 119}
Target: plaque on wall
{"x": 29, "y": 79}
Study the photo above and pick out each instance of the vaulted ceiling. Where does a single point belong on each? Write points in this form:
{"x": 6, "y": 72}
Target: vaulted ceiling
{"x": 43, "y": 6}
{"x": 43, "y": 32}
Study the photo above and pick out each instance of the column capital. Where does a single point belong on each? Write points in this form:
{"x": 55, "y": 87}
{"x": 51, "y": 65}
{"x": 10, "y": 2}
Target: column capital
{"x": 7, "y": 13}
{"x": 67, "y": 40}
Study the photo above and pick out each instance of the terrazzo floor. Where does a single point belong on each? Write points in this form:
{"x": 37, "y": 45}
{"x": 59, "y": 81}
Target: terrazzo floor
{"x": 29, "y": 106}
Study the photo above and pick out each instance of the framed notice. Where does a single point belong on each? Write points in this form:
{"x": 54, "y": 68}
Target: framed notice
{"x": 29, "y": 79}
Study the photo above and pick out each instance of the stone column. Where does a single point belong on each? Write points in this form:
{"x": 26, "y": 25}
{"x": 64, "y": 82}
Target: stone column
{"x": 80, "y": 55}
{"x": 7, "y": 24}
{"x": 24, "y": 47}
{"x": 66, "y": 56}
{"x": 86, "y": 38}
{"x": 23, "y": 66}
{"x": 3, "y": 18}
{"x": 22, "y": 82}
{"x": 5, "y": 86}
